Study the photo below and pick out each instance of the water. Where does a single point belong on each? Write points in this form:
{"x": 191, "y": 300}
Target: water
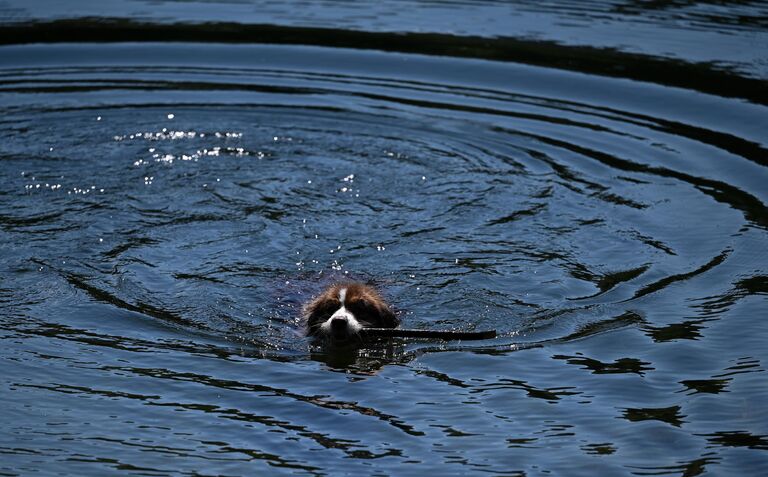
{"x": 166, "y": 206}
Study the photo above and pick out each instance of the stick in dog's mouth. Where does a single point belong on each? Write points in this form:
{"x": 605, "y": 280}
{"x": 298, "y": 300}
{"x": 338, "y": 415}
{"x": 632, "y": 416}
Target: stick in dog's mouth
{"x": 426, "y": 334}
{"x": 348, "y": 313}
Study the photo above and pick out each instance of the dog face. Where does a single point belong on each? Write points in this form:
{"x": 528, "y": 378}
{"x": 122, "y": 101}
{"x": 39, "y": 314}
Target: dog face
{"x": 341, "y": 311}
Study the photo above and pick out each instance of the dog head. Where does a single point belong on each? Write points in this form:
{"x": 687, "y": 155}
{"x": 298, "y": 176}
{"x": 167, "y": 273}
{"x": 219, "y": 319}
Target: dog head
{"x": 341, "y": 311}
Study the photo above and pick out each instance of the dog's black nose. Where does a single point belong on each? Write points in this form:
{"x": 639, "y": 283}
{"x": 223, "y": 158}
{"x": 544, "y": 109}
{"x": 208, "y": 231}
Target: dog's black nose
{"x": 338, "y": 324}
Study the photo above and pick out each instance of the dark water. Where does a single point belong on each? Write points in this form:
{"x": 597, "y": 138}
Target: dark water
{"x": 167, "y": 205}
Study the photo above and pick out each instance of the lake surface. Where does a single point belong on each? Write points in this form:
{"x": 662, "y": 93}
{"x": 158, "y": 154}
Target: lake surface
{"x": 178, "y": 178}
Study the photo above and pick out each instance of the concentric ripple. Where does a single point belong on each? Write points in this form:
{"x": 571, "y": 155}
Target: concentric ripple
{"x": 539, "y": 203}
{"x": 165, "y": 209}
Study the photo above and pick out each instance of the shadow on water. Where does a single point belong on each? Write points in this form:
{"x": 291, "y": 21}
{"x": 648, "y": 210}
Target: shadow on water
{"x": 602, "y": 61}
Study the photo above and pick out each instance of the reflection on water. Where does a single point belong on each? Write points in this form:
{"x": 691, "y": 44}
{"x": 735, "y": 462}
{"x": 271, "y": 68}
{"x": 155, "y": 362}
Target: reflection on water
{"x": 166, "y": 208}
{"x": 733, "y": 32}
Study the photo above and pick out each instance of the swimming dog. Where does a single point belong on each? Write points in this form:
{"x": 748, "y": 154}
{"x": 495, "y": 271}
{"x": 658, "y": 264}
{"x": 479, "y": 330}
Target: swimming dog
{"x": 338, "y": 314}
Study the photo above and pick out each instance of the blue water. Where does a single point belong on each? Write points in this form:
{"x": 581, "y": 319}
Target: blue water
{"x": 171, "y": 193}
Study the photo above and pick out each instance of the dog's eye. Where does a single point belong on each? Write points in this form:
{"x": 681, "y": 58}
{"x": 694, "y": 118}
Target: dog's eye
{"x": 327, "y": 308}
{"x": 364, "y": 311}
{"x": 358, "y": 306}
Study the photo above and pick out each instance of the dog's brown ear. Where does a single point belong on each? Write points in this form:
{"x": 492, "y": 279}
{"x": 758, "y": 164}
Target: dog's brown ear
{"x": 309, "y": 315}
{"x": 388, "y": 318}
{"x": 310, "y": 309}
{"x": 317, "y": 311}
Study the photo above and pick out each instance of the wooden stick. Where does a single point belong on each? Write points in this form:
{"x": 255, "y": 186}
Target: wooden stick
{"x": 443, "y": 335}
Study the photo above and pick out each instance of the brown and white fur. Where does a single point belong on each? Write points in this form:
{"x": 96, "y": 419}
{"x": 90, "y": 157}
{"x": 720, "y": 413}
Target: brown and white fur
{"x": 338, "y": 314}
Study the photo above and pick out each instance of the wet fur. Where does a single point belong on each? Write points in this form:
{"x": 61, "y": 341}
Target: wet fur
{"x": 336, "y": 316}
